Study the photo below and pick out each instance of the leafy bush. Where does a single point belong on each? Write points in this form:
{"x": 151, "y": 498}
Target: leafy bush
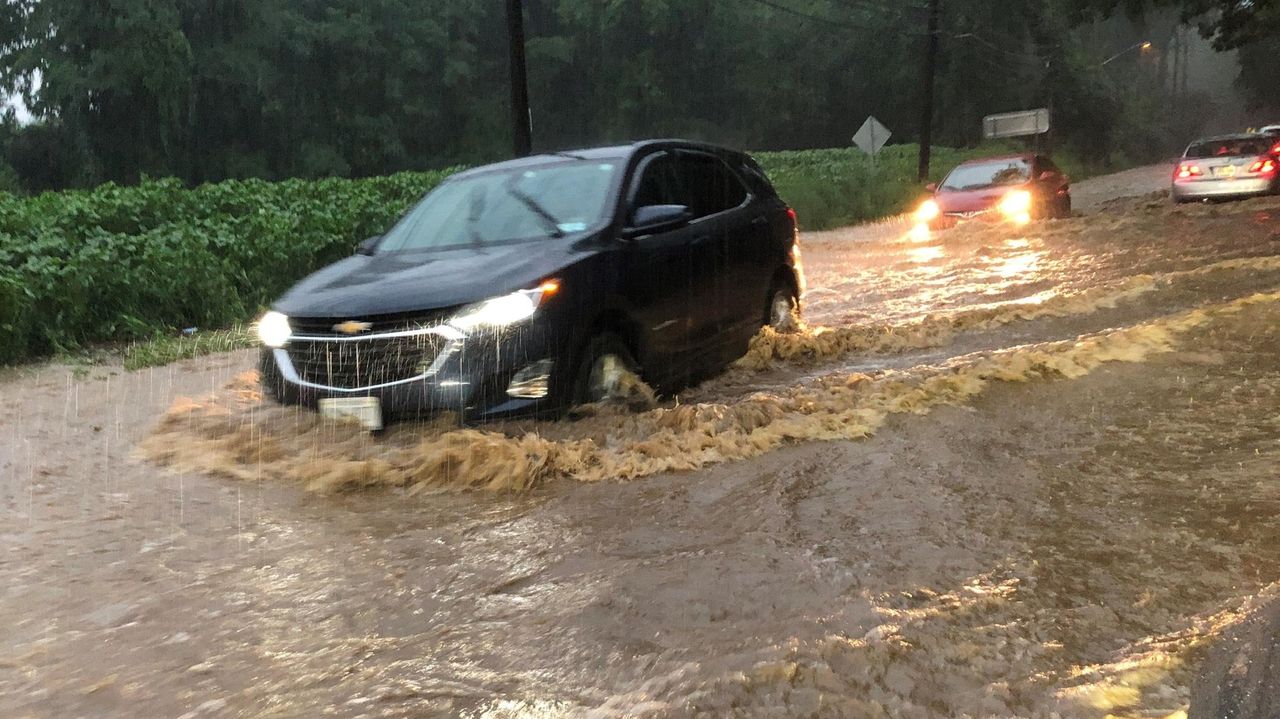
{"x": 125, "y": 263}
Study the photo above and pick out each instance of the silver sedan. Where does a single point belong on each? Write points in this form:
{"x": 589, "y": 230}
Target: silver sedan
{"x": 1227, "y": 167}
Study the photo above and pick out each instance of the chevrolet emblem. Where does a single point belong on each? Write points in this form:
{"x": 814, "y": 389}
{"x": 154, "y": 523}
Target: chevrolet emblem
{"x": 352, "y": 327}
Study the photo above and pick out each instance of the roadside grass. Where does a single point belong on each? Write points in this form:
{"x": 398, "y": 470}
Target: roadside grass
{"x": 167, "y": 350}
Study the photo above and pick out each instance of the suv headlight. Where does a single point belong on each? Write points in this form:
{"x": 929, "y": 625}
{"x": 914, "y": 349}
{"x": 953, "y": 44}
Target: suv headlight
{"x": 274, "y": 330}
{"x": 506, "y": 310}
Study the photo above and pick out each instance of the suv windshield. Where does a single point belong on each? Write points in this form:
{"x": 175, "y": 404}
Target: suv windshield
{"x": 506, "y": 206}
{"x": 1227, "y": 148}
{"x": 988, "y": 174}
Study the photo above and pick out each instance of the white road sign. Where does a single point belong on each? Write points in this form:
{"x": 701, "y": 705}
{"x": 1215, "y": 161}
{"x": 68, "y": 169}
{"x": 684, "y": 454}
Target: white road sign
{"x": 872, "y": 137}
{"x": 1016, "y": 124}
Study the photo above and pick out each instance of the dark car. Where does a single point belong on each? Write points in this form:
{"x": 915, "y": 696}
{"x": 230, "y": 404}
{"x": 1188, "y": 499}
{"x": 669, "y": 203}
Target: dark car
{"x": 1013, "y": 188}
{"x": 520, "y": 288}
{"x": 1226, "y": 167}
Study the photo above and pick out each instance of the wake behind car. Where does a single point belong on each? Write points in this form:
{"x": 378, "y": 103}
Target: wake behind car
{"x": 525, "y": 287}
{"x": 1230, "y": 166}
{"x": 1012, "y": 188}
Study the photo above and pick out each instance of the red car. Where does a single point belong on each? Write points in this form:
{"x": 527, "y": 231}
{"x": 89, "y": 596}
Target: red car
{"x": 1014, "y": 188}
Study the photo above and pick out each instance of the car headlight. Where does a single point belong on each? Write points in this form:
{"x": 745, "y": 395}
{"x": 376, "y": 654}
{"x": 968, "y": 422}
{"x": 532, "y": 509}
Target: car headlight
{"x": 506, "y": 310}
{"x": 928, "y": 211}
{"x": 274, "y": 329}
{"x": 1016, "y": 204}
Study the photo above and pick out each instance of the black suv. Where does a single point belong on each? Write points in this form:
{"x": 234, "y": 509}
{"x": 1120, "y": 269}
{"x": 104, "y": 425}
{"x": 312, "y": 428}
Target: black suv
{"x": 520, "y": 287}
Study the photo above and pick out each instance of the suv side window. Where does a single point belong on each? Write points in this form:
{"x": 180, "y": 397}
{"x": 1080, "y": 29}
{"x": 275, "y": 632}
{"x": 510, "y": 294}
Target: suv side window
{"x": 710, "y": 187}
{"x": 657, "y": 184}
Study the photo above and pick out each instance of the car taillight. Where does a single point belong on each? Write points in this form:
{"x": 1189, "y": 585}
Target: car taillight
{"x": 795, "y": 219}
{"x": 1265, "y": 166}
{"x": 1276, "y": 149}
{"x": 1185, "y": 171}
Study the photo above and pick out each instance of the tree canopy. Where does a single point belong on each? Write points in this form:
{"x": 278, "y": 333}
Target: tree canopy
{"x": 1231, "y": 24}
{"x": 211, "y": 89}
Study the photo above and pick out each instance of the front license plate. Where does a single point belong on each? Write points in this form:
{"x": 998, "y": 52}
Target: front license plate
{"x": 365, "y": 410}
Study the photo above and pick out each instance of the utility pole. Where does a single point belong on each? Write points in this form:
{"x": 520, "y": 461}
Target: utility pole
{"x": 930, "y": 69}
{"x": 1049, "y": 86}
{"x": 1185, "y": 45}
{"x": 521, "y": 130}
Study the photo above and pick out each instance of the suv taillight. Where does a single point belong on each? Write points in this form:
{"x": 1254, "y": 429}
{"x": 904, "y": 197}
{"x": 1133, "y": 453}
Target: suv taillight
{"x": 1264, "y": 166}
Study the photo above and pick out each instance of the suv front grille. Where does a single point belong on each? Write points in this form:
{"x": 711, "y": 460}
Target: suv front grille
{"x": 364, "y": 363}
{"x": 327, "y": 326}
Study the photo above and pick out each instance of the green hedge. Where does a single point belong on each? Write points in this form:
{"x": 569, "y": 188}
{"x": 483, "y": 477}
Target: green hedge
{"x": 119, "y": 264}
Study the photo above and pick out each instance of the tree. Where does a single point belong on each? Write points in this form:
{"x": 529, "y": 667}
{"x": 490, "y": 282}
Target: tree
{"x": 211, "y": 89}
{"x": 1231, "y": 24}
{"x": 114, "y": 74}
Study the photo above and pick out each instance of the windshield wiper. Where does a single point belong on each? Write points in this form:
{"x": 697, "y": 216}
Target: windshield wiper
{"x": 548, "y": 219}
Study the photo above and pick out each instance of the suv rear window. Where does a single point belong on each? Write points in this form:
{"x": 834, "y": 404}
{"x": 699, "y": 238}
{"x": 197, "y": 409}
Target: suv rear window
{"x": 1227, "y": 148}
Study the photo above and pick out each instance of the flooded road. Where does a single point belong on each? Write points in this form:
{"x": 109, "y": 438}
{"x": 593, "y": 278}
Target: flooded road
{"x": 1001, "y": 473}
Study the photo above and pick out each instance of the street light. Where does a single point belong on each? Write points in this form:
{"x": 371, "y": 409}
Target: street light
{"x": 1145, "y": 45}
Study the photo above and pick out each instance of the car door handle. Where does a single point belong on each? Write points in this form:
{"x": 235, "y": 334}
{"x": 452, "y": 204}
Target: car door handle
{"x": 760, "y": 221}
{"x": 701, "y": 240}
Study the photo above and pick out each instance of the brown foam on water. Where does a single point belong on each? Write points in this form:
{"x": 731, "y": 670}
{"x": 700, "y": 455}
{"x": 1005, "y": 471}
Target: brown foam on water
{"x": 232, "y": 434}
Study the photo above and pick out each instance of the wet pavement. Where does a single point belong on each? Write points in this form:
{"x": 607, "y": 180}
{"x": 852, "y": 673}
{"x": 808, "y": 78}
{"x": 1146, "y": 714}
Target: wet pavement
{"x": 1002, "y": 473}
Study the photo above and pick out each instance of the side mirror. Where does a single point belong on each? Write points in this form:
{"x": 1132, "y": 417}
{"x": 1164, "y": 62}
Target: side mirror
{"x": 655, "y": 218}
{"x": 366, "y": 247}
{"x": 931, "y": 187}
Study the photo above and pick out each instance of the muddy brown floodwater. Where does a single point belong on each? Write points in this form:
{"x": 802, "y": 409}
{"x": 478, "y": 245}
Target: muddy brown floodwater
{"x": 1000, "y": 473}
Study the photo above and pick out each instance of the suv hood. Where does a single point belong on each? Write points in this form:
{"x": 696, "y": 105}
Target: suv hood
{"x": 973, "y": 200}
{"x": 403, "y": 282}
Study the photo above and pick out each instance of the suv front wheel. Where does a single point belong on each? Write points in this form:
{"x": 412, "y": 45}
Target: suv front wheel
{"x": 603, "y": 370}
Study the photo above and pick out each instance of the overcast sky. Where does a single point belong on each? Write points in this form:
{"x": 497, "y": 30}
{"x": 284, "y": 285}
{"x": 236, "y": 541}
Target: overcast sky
{"x": 24, "y": 116}
{"x": 14, "y": 101}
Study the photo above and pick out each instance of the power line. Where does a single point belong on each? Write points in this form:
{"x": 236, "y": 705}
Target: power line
{"x": 831, "y": 21}
{"x": 1019, "y": 55}
{"x": 896, "y": 10}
